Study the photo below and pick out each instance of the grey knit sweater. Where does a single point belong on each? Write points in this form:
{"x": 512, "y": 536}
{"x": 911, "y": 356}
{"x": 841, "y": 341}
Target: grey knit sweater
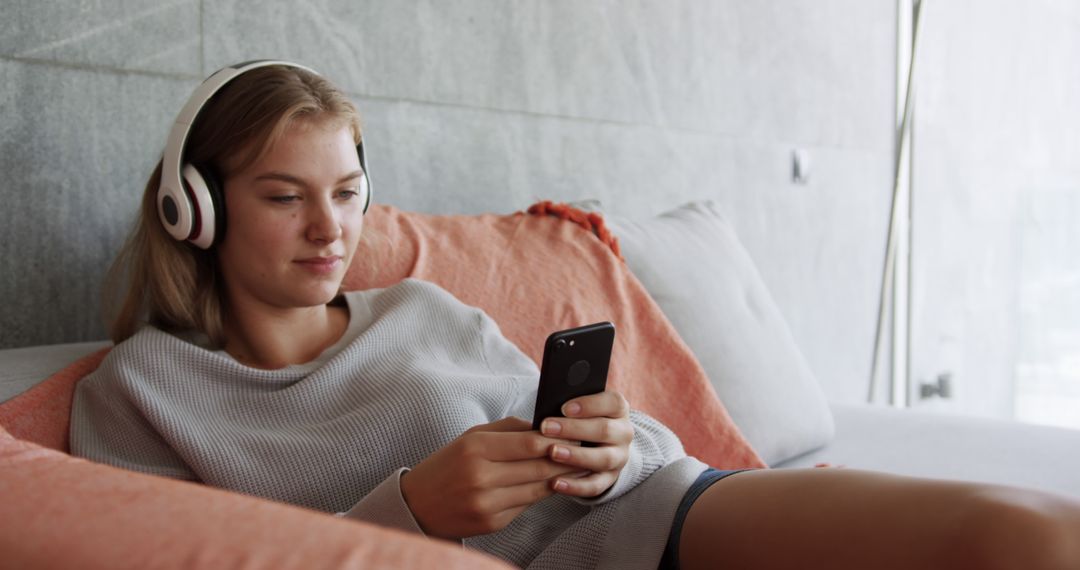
{"x": 415, "y": 369}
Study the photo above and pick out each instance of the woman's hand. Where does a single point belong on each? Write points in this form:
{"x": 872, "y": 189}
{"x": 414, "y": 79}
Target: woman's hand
{"x": 603, "y": 419}
{"x": 480, "y": 481}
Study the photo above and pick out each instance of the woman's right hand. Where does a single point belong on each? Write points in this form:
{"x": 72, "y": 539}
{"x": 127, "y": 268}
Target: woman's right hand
{"x": 480, "y": 481}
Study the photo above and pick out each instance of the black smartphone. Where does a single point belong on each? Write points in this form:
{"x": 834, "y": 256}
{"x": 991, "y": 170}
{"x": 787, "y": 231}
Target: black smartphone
{"x": 575, "y": 364}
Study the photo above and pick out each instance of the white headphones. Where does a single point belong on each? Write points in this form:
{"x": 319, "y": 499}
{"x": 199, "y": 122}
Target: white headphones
{"x": 189, "y": 199}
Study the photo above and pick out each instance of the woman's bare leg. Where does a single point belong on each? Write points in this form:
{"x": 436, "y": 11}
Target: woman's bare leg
{"x": 846, "y": 518}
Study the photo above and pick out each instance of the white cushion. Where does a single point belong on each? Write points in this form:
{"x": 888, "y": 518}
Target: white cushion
{"x": 693, "y": 265}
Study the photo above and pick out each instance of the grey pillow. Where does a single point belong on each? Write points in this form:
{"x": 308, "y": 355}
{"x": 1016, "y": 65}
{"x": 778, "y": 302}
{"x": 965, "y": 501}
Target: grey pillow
{"x": 693, "y": 265}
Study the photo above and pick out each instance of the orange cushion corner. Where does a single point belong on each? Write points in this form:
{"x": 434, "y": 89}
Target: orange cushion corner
{"x": 42, "y": 414}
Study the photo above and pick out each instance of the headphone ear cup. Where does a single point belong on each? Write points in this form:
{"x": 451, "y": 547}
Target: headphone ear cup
{"x": 202, "y": 187}
{"x": 175, "y": 211}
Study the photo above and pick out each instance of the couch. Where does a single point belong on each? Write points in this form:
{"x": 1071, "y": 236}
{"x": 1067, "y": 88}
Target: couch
{"x": 703, "y": 299}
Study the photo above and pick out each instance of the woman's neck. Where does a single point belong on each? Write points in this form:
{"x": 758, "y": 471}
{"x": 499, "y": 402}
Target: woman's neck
{"x": 270, "y": 338}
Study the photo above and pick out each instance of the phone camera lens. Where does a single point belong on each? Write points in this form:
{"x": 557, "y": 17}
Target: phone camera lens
{"x": 560, "y": 344}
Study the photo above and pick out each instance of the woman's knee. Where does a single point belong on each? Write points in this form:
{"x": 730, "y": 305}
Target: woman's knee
{"x": 1012, "y": 528}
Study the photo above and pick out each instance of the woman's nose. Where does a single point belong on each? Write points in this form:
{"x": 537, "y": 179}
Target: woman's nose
{"x": 323, "y": 223}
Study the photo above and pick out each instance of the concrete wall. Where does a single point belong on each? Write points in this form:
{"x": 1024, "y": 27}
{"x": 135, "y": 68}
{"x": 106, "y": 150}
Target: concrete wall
{"x": 479, "y": 105}
{"x": 996, "y": 274}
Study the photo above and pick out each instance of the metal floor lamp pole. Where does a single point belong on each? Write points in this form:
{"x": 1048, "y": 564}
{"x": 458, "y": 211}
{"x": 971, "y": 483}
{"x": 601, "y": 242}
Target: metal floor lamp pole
{"x": 890, "y": 246}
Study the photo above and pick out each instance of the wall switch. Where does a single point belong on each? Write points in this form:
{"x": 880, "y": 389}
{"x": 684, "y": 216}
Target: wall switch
{"x": 800, "y": 166}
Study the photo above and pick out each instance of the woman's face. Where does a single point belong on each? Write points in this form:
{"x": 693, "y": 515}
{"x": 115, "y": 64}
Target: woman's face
{"x": 294, "y": 219}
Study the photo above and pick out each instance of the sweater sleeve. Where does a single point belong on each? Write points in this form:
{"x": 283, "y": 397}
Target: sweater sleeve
{"x": 107, "y": 426}
{"x": 654, "y": 446}
{"x": 385, "y": 505}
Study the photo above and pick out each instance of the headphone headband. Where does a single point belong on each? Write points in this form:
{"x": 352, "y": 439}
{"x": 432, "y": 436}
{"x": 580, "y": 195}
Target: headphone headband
{"x": 185, "y": 193}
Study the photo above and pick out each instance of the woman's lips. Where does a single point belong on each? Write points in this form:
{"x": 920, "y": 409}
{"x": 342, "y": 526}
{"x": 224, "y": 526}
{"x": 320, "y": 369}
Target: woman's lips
{"x": 320, "y": 265}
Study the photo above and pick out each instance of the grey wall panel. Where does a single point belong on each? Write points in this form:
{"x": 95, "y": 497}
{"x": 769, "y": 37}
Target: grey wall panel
{"x": 454, "y": 159}
{"x": 75, "y": 148}
{"x": 816, "y": 72}
{"x": 145, "y": 35}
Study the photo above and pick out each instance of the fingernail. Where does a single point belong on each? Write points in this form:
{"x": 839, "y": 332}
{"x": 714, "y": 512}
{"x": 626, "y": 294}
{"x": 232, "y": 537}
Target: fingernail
{"x": 559, "y": 452}
{"x": 551, "y": 427}
{"x": 571, "y": 409}
{"x": 560, "y": 485}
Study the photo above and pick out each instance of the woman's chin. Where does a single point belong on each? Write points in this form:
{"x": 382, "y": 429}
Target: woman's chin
{"x": 316, "y": 295}
{"x": 325, "y": 296}
{"x": 320, "y": 289}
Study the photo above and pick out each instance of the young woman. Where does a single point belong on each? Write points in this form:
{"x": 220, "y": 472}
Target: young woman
{"x": 239, "y": 363}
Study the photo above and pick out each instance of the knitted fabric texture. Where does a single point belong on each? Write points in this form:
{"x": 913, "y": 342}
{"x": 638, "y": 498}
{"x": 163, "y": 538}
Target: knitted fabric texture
{"x": 334, "y": 436}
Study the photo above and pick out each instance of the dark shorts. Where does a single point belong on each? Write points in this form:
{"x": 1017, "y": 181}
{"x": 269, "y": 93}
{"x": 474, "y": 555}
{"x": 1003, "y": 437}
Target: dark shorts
{"x": 670, "y": 559}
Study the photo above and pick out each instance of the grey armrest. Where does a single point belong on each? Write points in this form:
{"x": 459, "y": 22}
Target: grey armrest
{"x": 909, "y": 442}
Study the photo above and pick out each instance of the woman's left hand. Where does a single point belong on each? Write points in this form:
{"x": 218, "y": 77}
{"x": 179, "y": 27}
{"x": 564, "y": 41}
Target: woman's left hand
{"x": 602, "y": 419}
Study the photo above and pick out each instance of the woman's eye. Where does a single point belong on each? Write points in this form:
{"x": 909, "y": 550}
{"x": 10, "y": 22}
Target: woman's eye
{"x": 348, "y": 193}
{"x": 284, "y": 199}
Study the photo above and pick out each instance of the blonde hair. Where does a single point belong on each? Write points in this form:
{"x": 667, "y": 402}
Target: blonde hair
{"x": 171, "y": 284}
